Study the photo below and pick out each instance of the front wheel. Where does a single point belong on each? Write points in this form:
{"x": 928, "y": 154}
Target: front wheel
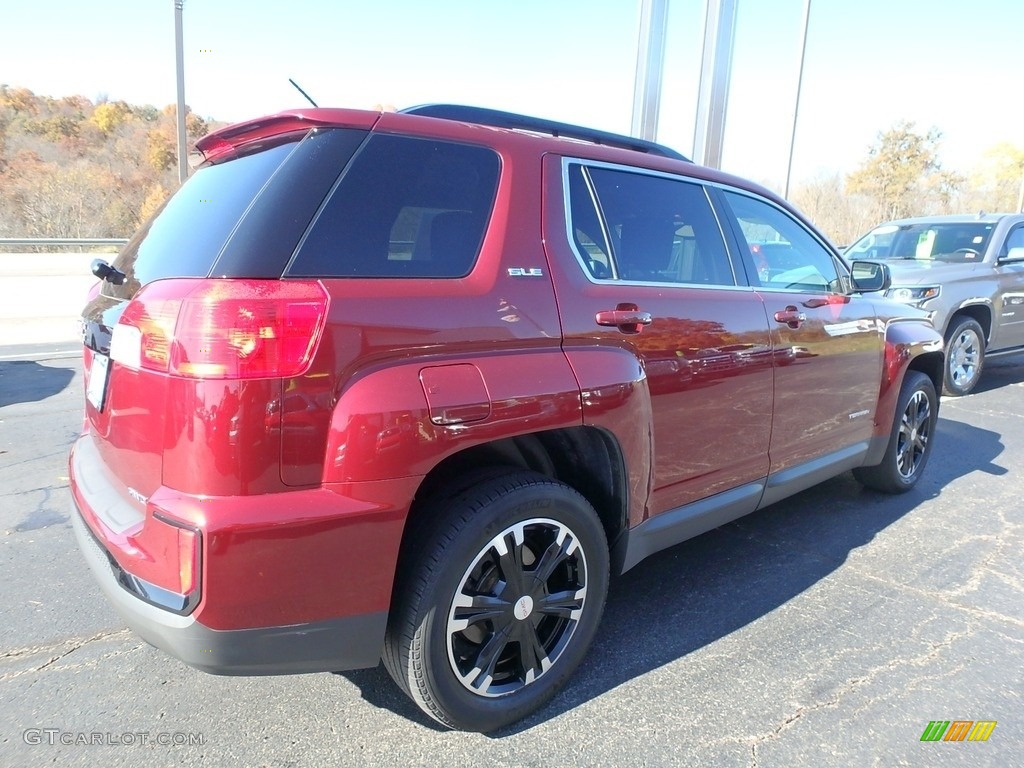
{"x": 910, "y": 442}
{"x": 497, "y": 604}
{"x": 965, "y": 356}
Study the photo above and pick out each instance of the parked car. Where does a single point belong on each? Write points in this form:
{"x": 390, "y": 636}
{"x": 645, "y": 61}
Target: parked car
{"x": 413, "y": 386}
{"x": 967, "y": 272}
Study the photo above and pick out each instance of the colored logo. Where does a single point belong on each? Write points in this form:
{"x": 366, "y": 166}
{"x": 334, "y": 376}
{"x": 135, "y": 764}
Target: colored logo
{"x": 958, "y": 730}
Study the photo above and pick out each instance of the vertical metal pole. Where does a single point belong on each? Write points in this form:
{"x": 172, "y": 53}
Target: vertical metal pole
{"x": 715, "y": 71}
{"x": 650, "y": 62}
{"x": 179, "y": 55}
{"x": 799, "y": 88}
{"x": 1020, "y": 196}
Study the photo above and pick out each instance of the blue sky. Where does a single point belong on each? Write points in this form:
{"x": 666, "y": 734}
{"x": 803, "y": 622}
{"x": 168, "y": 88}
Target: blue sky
{"x": 952, "y": 64}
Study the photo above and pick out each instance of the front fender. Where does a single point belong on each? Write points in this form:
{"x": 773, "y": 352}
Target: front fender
{"x": 909, "y": 344}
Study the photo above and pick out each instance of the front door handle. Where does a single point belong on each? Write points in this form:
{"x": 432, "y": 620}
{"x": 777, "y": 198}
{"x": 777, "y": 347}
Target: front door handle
{"x": 626, "y": 317}
{"x": 791, "y": 316}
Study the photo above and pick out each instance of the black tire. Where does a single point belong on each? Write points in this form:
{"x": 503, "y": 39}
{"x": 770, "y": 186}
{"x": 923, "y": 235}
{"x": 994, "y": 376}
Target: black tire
{"x": 480, "y": 665}
{"x": 965, "y": 357}
{"x": 910, "y": 442}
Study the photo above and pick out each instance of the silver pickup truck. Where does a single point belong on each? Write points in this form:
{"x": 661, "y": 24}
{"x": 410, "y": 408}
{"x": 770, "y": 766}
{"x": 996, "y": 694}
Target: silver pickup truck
{"x": 968, "y": 273}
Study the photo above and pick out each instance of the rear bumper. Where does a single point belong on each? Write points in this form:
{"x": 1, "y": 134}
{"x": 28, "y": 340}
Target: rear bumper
{"x": 351, "y": 642}
{"x": 298, "y": 581}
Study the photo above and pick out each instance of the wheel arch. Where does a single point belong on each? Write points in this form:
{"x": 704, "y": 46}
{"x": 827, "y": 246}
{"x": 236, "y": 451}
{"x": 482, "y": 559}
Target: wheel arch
{"x": 931, "y": 365}
{"x": 587, "y": 459}
{"x": 910, "y": 345}
{"x": 980, "y": 312}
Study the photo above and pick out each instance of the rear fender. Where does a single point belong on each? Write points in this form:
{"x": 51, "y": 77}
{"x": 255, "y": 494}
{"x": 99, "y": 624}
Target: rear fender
{"x": 403, "y": 420}
{"x": 616, "y": 399}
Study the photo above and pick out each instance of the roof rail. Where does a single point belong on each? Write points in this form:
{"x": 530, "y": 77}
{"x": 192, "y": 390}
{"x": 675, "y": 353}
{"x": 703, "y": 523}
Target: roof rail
{"x": 499, "y": 119}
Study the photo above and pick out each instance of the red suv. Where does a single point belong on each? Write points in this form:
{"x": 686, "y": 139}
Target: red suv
{"x": 413, "y": 386}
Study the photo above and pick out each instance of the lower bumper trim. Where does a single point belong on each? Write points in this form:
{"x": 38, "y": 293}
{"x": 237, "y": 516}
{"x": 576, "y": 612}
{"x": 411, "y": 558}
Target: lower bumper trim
{"x": 350, "y": 642}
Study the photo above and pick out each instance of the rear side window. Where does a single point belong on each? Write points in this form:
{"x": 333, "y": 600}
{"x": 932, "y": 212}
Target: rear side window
{"x": 645, "y": 228}
{"x": 405, "y": 207}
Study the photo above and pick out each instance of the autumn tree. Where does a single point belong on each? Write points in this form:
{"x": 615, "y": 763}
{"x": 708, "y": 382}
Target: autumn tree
{"x": 108, "y": 116}
{"x": 161, "y": 151}
{"x": 902, "y": 174}
{"x": 70, "y": 167}
{"x": 997, "y": 184}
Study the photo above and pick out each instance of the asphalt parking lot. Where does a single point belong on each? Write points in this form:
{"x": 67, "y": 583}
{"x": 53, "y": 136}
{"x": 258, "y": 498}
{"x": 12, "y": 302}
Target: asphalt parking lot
{"x": 829, "y": 629}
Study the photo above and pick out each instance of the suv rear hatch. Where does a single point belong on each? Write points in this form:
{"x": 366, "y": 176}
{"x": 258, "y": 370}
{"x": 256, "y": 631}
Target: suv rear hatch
{"x": 189, "y": 335}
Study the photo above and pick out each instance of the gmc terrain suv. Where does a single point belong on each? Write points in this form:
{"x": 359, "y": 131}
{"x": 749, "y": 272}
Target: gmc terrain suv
{"x": 414, "y": 385}
{"x": 967, "y": 272}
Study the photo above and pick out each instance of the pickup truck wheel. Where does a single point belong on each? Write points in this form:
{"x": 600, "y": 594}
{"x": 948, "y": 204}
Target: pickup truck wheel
{"x": 498, "y": 604}
{"x": 965, "y": 356}
{"x": 910, "y": 442}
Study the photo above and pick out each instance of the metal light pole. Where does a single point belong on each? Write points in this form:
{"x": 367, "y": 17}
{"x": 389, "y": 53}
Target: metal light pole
{"x": 799, "y": 87}
{"x": 180, "y": 65}
{"x": 650, "y": 62}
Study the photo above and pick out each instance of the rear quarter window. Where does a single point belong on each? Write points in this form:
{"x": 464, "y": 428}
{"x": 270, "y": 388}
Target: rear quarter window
{"x": 405, "y": 207}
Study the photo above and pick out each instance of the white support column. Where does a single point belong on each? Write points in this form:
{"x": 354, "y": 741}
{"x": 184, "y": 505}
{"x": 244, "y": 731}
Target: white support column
{"x": 650, "y": 62}
{"x": 715, "y": 72}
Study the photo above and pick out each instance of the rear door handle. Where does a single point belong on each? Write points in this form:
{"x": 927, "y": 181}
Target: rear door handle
{"x": 626, "y": 317}
{"x": 791, "y": 316}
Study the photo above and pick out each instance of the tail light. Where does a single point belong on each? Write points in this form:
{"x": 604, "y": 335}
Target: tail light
{"x": 222, "y": 329}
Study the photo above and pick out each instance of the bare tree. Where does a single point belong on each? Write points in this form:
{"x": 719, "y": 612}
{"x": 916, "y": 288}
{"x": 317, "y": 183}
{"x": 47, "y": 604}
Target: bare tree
{"x": 839, "y": 215}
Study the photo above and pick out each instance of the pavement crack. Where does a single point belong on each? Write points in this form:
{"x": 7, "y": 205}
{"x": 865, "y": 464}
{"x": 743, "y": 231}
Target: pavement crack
{"x": 35, "y": 490}
{"x": 31, "y": 459}
{"x": 945, "y": 597}
{"x": 933, "y": 650}
{"x": 58, "y": 651}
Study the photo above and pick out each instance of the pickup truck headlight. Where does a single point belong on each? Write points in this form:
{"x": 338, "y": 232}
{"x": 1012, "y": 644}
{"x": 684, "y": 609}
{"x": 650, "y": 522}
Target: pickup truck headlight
{"x": 916, "y": 295}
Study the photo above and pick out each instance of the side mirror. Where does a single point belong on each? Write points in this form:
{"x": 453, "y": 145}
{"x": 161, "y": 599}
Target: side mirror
{"x": 870, "y": 276}
{"x": 1014, "y": 254}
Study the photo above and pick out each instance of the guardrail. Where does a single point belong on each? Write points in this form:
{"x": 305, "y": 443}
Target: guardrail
{"x": 62, "y": 242}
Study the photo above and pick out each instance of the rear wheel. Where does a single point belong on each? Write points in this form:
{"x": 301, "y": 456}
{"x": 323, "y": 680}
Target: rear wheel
{"x": 965, "y": 356}
{"x": 910, "y": 442}
{"x": 498, "y": 603}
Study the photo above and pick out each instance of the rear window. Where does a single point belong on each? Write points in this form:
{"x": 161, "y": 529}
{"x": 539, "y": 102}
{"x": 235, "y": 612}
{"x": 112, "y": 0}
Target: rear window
{"x": 242, "y": 217}
{"x": 405, "y": 207}
{"x": 186, "y": 236}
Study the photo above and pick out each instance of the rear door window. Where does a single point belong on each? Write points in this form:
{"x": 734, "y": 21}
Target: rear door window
{"x": 645, "y": 228}
{"x": 405, "y": 207}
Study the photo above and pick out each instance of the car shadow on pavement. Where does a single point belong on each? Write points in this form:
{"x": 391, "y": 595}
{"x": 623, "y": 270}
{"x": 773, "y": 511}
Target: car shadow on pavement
{"x": 1001, "y": 372}
{"x": 26, "y": 381}
{"x": 691, "y": 595}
